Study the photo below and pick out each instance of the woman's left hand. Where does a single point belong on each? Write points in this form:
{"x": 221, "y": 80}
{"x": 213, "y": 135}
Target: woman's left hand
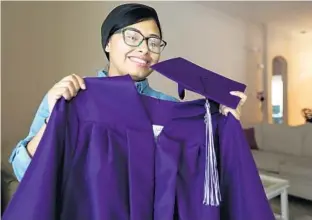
{"x": 236, "y": 112}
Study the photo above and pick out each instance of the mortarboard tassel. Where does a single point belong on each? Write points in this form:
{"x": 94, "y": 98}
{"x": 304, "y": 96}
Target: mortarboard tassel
{"x": 212, "y": 195}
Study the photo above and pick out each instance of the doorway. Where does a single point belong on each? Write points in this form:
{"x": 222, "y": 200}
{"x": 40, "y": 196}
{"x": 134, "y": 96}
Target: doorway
{"x": 279, "y": 90}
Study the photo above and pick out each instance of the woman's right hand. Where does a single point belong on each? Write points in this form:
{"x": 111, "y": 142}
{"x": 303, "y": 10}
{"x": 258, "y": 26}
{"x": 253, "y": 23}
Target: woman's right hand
{"x": 68, "y": 88}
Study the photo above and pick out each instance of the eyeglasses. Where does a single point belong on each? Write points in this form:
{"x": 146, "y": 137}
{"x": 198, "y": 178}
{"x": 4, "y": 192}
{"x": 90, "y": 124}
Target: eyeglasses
{"x": 134, "y": 38}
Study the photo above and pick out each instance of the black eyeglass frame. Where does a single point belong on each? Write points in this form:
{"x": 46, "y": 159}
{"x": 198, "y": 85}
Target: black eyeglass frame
{"x": 163, "y": 42}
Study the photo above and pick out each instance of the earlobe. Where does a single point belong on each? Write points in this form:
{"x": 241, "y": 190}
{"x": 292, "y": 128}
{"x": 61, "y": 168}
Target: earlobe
{"x": 107, "y": 48}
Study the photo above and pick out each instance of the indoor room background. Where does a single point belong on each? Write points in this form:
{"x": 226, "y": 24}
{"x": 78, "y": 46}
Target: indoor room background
{"x": 43, "y": 42}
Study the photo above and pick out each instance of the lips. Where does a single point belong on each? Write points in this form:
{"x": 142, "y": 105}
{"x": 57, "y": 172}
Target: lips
{"x": 140, "y": 61}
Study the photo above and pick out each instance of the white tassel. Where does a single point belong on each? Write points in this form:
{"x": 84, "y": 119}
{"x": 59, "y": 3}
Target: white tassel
{"x": 212, "y": 195}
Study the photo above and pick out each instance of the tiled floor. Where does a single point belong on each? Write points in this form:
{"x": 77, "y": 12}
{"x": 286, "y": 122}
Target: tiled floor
{"x": 299, "y": 209}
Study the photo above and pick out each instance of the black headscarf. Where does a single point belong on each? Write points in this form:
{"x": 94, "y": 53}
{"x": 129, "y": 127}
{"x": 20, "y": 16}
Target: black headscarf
{"x": 125, "y": 15}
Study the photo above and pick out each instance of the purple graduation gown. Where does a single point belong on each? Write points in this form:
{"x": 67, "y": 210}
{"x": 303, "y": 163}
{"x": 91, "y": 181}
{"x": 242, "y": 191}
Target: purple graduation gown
{"x": 98, "y": 160}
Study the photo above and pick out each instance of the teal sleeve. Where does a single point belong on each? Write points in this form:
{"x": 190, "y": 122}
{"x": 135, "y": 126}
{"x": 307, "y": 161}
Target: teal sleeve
{"x": 20, "y": 159}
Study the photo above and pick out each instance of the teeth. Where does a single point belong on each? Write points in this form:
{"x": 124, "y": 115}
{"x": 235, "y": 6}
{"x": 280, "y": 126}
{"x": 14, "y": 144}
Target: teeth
{"x": 138, "y": 60}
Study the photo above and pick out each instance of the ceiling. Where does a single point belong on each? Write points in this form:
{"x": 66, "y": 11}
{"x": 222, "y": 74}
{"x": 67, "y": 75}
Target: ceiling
{"x": 292, "y": 16}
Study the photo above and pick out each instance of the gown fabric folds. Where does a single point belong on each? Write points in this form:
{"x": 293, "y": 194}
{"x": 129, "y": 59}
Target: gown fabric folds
{"x": 99, "y": 160}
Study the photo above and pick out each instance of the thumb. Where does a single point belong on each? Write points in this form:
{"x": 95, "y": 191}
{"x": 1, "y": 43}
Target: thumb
{"x": 235, "y": 113}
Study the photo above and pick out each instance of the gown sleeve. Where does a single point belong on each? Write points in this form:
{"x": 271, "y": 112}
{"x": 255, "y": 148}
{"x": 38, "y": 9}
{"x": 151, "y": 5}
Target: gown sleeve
{"x": 38, "y": 192}
{"x": 243, "y": 194}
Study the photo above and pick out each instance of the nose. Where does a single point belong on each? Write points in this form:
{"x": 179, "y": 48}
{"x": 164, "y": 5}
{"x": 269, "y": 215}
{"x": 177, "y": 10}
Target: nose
{"x": 143, "y": 48}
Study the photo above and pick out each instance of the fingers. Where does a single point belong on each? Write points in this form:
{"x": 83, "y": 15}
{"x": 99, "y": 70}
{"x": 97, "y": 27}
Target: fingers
{"x": 73, "y": 83}
{"x": 69, "y": 86}
{"x": 76, "y": 80}
{"x": 235, "y": 112}
{"x": 81, "y": 82}
{"x": 241, "y": 95}
{"x": 68, "y": 93}
{"x": 66, "y": 88}
{"x": 224, "y": 110}
{"x": 58, "y": 92}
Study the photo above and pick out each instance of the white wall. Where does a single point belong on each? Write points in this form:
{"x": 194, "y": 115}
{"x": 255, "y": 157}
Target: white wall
{"x": 300, "y": 79}
{"x": 278, "y": 45}
{"x": 252, "y": 111}
{"x": 297, "y": 50}
{"x": 45, "y": 41}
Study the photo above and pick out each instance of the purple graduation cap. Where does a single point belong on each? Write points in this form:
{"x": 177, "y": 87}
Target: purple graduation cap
{"x": 213, "y": 87}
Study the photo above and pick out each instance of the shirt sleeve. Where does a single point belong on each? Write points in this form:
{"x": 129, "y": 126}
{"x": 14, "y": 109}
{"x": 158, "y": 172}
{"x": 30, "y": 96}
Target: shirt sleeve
{"x": 20, "y": 159}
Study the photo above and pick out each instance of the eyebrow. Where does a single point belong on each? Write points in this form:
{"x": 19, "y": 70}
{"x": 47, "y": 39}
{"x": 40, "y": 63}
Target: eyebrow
{"x": 151, "y": 35}
{"x": 154, "y": 35}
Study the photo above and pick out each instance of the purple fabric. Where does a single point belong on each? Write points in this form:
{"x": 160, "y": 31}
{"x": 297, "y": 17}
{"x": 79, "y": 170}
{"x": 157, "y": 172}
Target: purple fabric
{"x": 98, "y": 160}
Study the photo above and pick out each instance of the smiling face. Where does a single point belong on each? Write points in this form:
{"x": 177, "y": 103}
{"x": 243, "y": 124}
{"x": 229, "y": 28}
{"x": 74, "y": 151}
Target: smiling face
{"x": 128, "y": 54}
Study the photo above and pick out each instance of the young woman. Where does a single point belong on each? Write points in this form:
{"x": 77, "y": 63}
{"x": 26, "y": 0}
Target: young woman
{"x": 132, "y": 41}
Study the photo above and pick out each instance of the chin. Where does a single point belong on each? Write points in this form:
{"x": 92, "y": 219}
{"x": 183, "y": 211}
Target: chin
{"x": 138, "y": 77}
{"x": 140, "y": 74}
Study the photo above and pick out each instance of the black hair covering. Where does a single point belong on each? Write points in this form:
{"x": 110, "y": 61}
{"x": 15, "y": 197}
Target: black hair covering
{"x": 123, "y": 16}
